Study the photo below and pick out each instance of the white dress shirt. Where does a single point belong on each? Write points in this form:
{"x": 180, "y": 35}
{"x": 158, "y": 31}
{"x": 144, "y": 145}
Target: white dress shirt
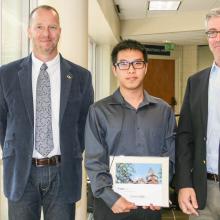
{"x": 55, "y": 82}
{"x": 213, "y": 126}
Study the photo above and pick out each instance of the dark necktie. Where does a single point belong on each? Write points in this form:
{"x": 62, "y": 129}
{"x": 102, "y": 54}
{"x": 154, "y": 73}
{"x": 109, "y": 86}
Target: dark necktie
{"x": 43, "y": 124}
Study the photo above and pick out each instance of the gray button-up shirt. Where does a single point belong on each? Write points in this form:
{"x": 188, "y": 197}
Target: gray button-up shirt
{"x": 115, "y": 128}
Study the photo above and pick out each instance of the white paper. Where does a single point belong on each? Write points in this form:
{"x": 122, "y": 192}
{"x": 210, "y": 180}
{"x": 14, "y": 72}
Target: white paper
{"x": 142, "y": 180}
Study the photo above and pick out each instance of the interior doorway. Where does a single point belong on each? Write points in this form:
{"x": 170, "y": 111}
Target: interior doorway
{"x": 160, "y": 80}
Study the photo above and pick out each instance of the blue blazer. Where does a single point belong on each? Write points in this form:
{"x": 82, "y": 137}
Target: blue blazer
{"x": 17, "y": 125}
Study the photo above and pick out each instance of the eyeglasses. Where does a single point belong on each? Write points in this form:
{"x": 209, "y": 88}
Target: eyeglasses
{"x": 212, "y": 34}
{"x": 125, "y": 65}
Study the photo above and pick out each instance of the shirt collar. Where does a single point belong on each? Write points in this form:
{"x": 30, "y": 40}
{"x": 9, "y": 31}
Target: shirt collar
{"x": 215, "y": 69}
{"x": 38, "y": 63}
{"x": 118, "y": 99}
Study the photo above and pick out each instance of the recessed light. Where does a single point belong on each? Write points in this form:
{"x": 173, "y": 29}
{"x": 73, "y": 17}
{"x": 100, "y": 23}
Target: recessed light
{"x": 163, "y": 5}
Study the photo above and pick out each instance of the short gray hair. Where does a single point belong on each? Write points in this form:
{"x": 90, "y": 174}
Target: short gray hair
{"x": 215, "y": 12}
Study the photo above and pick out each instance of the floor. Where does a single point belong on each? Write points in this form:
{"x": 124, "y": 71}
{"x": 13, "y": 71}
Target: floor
{"x": 172, "y": 214}
{"x": 168, "y": 214}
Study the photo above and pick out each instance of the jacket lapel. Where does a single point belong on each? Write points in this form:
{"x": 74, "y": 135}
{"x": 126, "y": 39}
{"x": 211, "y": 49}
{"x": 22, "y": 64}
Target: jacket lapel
{"x": 25, "y": 80}
{"x": 204, "y": 99}
{"x": 66, "y": 81}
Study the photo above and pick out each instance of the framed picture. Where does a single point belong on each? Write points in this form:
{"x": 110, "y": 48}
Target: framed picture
{"x": 142, "y": 180}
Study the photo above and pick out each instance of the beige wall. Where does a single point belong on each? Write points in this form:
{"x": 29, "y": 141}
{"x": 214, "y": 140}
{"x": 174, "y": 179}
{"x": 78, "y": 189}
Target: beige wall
{"x": 194, "y": 59}
{"x": 167, "y": 24}
{"x": 205, "y": 57}
{"x": 74, "y": 23}
{"x": 189, "y": 65}
{"x": 104, "y": 27}
{"x": 108, "y": 10}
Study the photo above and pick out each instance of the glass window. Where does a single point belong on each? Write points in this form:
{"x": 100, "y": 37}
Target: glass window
{"x": 14, "y": 23}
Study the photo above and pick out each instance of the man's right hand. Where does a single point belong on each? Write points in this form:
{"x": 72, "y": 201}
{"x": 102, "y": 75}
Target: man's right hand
{"x": 122, "y": 205}
{"x": 187, "y": 201}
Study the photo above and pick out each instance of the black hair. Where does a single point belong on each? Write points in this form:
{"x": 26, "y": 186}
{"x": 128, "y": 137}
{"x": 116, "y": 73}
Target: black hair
{"x": 126, "y": 45}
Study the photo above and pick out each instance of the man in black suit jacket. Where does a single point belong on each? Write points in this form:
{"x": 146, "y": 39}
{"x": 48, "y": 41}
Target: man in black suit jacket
{"x": 198, "y": 136}
{"x": 31, "y": 179}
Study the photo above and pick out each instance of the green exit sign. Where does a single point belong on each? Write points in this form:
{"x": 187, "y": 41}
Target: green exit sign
{"x": 169, "y": 46}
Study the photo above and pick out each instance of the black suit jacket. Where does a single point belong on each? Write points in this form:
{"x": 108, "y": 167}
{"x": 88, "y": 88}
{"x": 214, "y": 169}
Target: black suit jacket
{"x": 191, "y": 137}
{"x": 17, "y": 125}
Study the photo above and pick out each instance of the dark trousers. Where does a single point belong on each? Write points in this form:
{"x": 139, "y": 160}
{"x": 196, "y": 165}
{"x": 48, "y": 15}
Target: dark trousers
{"x": 44, "y": 191}
{"x": 103, "y": 212}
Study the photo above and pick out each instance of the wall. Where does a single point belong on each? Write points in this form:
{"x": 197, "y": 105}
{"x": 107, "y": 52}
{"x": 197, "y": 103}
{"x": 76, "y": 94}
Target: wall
{"x": 158, "y": 24}
{"x": 108, "y": 10}
{"x": 104, "y": 27}
{"x": 205, "y": 57}
{"x": 74, "y": 23}
{"x": 189, "y": 65}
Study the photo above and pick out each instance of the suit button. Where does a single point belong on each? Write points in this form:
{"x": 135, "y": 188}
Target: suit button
{"x": 204, "y": 161}
{"x": 204, "y": 138}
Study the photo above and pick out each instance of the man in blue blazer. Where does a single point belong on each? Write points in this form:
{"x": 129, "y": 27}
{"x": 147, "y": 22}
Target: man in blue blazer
{"x": 198, "y": 136}
{"x": 50, "y": 177}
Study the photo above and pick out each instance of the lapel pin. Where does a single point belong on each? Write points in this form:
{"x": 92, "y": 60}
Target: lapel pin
{"x": 69, "y": 76}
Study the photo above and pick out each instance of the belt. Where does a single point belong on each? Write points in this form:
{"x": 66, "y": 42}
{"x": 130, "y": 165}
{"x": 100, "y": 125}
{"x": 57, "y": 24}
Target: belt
{"x": 46, "y": 161}
{"x": 213, "y": 177}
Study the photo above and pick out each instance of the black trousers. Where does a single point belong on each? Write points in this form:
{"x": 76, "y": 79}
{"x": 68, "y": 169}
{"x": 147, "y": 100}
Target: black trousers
{"x": 103, "y": 212}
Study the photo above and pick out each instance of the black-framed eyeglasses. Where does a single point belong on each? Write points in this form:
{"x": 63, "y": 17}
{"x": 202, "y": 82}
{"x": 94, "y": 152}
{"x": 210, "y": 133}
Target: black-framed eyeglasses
{"x": 212, "y": 34}
{"x": 125, "y": 65}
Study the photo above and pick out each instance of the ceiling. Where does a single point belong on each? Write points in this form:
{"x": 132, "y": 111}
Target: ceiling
{"x": 137, "y": 10}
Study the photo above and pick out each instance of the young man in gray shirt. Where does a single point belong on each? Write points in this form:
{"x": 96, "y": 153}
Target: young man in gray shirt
{"x": 130, "y": 122}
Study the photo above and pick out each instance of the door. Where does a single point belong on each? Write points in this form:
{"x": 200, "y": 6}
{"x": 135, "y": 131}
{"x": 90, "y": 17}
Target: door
{"x": 160, "y": 79}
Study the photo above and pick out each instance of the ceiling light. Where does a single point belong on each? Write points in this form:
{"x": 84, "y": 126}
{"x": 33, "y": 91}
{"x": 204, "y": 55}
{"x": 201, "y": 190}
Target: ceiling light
{"x": 163, "y": 5}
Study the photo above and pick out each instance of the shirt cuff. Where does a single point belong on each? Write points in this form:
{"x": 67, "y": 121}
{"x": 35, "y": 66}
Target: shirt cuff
{"x": 109, "y": 196}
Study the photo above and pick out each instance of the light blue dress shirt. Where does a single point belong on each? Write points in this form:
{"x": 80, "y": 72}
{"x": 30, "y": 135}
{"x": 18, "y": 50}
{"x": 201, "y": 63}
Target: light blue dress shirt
{"x": 213, "y": 126}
